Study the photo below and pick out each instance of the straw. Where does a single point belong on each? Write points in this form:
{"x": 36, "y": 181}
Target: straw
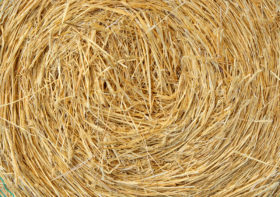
{"x": 140, "y": 98}
{"x": 5, "y": 188}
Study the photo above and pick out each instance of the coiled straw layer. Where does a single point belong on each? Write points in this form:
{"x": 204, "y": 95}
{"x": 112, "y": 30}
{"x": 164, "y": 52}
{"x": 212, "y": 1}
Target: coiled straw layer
{"x": 140, "y": 98}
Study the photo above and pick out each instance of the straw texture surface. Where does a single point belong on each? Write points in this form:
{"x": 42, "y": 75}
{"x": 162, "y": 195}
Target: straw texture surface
{"x": 140, "y": 98}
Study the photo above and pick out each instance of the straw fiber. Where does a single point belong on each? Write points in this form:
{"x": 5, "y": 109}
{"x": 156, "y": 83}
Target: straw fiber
{"x": 140, "y": 98}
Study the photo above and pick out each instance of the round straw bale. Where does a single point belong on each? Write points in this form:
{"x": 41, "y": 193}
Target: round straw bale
{"x": 140, "y": 98}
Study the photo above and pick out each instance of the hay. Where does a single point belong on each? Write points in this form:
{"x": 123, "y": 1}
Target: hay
{"x": 140, "y": 98}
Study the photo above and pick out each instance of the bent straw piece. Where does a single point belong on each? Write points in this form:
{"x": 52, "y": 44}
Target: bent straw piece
{"x": 5, "y": 188}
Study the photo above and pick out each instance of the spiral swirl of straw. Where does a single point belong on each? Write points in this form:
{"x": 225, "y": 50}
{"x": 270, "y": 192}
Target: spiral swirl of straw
{"x": 140, "y": 98}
